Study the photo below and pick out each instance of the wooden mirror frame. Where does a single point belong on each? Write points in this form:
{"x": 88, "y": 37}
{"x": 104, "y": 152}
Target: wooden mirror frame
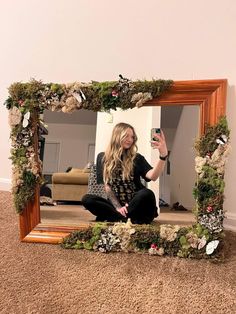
{"x": 209, "y": 95}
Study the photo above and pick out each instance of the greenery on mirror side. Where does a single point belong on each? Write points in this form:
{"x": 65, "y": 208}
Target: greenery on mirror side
{"x": 26, "y": 170}
{"x": 212, "y": 153}
{"x": 167, "y": 240}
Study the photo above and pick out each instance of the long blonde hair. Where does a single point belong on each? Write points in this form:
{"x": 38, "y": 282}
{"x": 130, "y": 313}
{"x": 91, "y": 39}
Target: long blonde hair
{"x": 115, "y": 155}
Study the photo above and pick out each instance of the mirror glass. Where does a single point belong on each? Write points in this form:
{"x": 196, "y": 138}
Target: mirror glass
{"x": 67, "y": 150}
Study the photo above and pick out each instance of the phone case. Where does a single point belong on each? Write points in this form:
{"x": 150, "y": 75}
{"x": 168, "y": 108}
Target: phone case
{"x": 155, "y": 131}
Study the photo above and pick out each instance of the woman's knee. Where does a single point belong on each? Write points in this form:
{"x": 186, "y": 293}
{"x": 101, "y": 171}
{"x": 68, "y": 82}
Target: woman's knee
{"x": 87, "y": 199}
{"x": 146, "y": 193}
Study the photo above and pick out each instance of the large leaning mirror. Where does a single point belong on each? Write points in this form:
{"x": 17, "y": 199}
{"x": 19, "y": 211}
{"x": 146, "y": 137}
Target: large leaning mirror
{"x": 208, "y": 97}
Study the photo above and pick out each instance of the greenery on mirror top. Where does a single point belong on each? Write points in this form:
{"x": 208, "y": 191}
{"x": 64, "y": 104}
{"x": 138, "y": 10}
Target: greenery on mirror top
{"x": 95, "y": 96}
{"x": 172, "y": 240}
{"x": 27, "y": 100}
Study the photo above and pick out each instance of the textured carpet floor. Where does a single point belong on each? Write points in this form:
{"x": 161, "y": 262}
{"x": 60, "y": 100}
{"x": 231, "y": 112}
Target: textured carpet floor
{"x": 45, "y": 279}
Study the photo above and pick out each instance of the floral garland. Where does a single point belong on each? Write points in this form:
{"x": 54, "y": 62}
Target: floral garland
{"x": 27, "y": 100}
{"x": 212, "y": 153}
{"x": 192, "y": 242}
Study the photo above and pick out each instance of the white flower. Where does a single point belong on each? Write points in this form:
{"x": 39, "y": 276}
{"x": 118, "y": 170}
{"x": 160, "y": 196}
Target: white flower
{"x": 199, "y": 163}
{"x": 211, "y": 246}
{"x": 26, "y": 119}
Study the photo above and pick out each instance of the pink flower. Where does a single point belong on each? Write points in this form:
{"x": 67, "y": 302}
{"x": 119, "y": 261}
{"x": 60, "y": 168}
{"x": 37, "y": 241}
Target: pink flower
{"x": 154, "y": 246}
{"x": 209, "y": 209}
{"x": 208, "y": 155}
{"x": 114, "y": 93}
{"x": 21, "y": 102}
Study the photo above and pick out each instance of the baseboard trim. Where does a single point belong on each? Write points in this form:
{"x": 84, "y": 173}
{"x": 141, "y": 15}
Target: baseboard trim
{"x": 230, "y": 221}
{"x": 5, "y": 184}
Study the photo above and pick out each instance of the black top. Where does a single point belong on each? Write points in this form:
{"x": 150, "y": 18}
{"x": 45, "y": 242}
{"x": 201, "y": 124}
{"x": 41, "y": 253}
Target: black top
{"x": 124, "y": 189}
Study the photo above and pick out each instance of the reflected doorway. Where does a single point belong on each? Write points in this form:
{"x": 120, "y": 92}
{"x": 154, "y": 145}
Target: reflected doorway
{"x": 181, "y": 127}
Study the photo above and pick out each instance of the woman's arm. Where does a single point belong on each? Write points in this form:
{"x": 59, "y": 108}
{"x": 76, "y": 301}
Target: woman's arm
{"x": 160, "y": 144}
{"x": 111, "y": 195}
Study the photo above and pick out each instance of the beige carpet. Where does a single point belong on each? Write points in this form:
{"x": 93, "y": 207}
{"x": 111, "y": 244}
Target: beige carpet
{"x": 45, "y": 279}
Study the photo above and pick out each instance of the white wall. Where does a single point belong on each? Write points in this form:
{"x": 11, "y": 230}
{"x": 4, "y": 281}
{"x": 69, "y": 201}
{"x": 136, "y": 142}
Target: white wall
{"x": 74, "y": 140}
{"x": 65, "y": 41}
{"x": 165, "y": 178}
{"x": 183, "y": 176}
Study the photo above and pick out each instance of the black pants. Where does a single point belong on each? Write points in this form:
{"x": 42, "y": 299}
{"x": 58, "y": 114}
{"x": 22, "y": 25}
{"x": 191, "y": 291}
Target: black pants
{"x": 141, "y": 210}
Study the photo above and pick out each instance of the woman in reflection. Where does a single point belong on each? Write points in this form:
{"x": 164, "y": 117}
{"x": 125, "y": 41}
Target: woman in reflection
{"x": 120, "y": 169}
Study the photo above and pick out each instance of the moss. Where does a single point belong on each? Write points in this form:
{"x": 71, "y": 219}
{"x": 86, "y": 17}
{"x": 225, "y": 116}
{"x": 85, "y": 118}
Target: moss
{"x": 207, "y": 143}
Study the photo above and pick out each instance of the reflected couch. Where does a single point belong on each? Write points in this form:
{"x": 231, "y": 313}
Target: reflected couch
{"x": 70, "y": 186}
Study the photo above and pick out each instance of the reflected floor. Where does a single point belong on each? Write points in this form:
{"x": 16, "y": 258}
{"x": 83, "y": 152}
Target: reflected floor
{"x": 72, "y": 215}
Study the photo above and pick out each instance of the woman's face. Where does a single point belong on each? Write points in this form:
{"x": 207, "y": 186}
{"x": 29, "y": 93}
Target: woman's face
{"x": 128, "y": 141}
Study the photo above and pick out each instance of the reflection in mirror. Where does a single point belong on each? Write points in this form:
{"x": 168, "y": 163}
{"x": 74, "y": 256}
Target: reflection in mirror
{"x": 181, "y": 127}
{"x": 69, "y": 152}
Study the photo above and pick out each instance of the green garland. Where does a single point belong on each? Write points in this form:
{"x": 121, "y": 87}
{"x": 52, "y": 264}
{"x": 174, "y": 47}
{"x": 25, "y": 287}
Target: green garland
{"x": 95, "y": 96}
{"x": 27, "y": 100}
{"x": 212, "y": 153}
{"x": 189, "y": 242}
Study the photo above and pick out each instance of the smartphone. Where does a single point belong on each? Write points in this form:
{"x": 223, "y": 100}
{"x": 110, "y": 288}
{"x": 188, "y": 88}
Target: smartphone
{"x": 155, "y": 131}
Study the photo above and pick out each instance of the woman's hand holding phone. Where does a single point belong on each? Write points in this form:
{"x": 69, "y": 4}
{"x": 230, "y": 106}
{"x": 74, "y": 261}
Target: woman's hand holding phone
{"x": 158, "y": 141}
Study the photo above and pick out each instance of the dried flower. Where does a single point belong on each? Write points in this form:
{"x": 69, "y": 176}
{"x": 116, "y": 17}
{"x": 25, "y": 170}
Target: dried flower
{"x": 192, "y": 239}
{"x": 124, "y": 232}
{"x": 169, "y": 232}
{"x": 154, "y": 250}
{"x": 202, "y": 242}
{"x": 140, "y": 98}
{"x": 219, "y": 157}
{"x": 14, "y": 117}
{"x": 199, "y": 163}
{"x": 70, "y": 105}
{"x": 16, "y": 178}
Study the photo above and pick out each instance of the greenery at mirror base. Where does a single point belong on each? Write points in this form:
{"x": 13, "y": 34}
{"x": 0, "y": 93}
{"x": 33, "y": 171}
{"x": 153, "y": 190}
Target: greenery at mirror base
{"x": 204, "y": 239}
